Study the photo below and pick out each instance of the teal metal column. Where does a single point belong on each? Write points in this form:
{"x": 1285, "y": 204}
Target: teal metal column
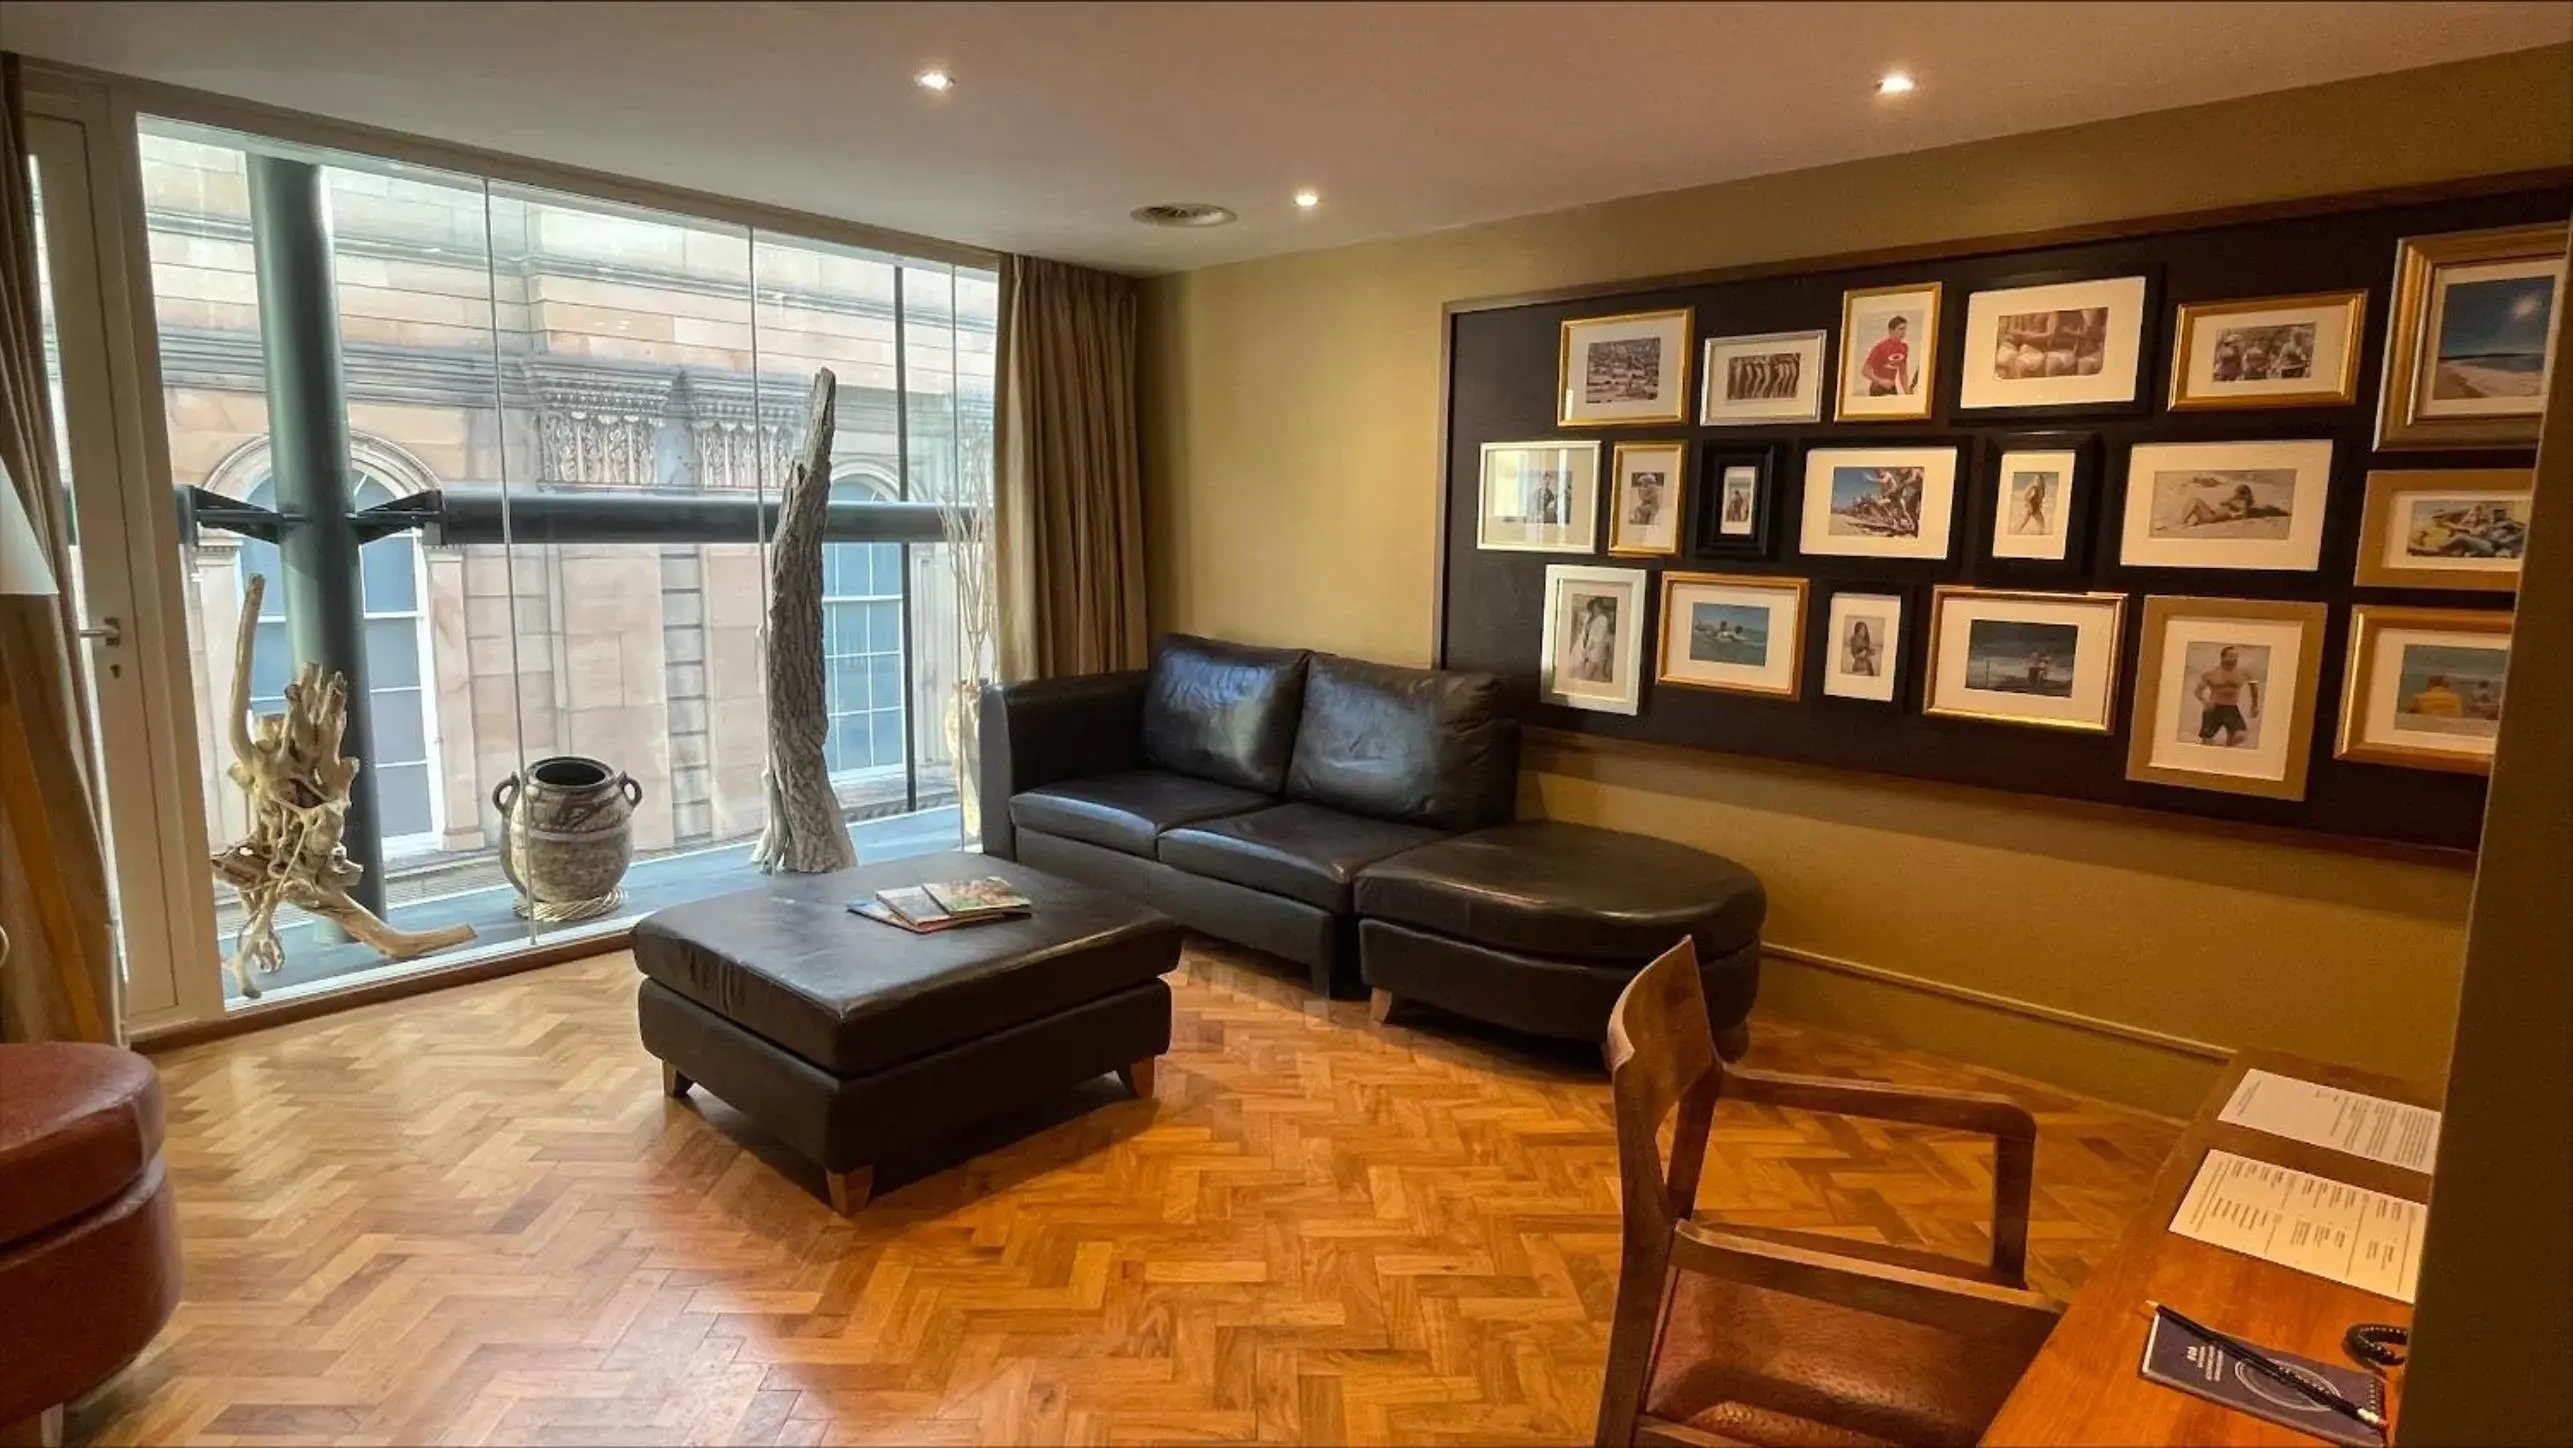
{"x": 290, "y": 233}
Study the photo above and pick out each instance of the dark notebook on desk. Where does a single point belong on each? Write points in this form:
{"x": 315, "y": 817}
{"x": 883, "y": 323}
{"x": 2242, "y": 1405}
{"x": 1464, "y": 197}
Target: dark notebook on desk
{"x": 2178, "y": 1358}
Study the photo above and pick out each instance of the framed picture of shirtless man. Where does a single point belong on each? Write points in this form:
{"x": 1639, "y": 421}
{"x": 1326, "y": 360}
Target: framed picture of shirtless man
{"x": 2224, "y": 695}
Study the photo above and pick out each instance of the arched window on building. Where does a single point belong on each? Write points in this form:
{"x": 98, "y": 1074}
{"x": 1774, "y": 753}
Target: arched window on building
{"x": 402, "y": 708}
{"x": 862, "y": 638}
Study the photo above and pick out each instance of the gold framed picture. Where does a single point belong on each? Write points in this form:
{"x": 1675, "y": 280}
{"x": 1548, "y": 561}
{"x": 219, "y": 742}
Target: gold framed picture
{"x": 1739, "y": 632}
{"x": 1631, "y": 368}
{"x": 2424, "y": 687}
{"x": 2006, "y": 656}
{"x": 1889, "y": 353}
{"x": 1647, "y": 497}
{"x": 2268, "y": 352}
{"x": 2445, "y": 528}
{"x": 2224, "y": 695}
{"x": 2467, "y": 355}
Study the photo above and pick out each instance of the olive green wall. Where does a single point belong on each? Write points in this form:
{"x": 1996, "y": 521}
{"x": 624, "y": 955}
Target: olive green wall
{"x": 1292, "y": 475}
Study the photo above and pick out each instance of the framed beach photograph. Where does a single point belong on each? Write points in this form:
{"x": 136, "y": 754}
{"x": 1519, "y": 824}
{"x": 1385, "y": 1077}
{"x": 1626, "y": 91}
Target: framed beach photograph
{"x": 2254, "y": 505}
{"x": 1540, "y": 497}
{"x": 2224, "y": 695}
{"x": 1862, "y": 646}
{"x": 1743, "y": 633}
{"x": 1646, "y": 498}
{"x": 2069, "y": 344}
{"x": 1889, "y": 353}
{"x": 1771, "y": 377}
{"x": 2009, "y": 657}
{"x": 2424, "y": 687}
{"x": 1624, "y": 369}
{"x": 1592, "y": 651}
{"x": 1879, "y": 502}
{"x": 1737, "y": 507}
{"x": 2040, "y": 489}
{"x": 2445, "y": 528}
{"x": 2268, "y": 352}
{"x": 2466, "y": 357}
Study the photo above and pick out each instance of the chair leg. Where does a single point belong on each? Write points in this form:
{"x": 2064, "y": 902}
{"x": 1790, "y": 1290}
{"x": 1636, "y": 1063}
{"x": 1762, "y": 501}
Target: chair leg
{"x": 1734, "y": 1041}
{"x": 672, "y": 1083}
{"x": 1138, "y": 1075}
{"x": 1381, "y": 1005}
{"x": 850, "y": 1189}
{"x": 1643, "y": 1304}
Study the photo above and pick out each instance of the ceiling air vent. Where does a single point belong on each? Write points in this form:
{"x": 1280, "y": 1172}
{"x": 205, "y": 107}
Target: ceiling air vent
{"x": 1182, "y": 213}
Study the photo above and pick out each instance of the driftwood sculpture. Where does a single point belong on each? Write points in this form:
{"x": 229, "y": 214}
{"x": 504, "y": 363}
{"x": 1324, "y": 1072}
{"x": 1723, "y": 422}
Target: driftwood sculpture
{"x": 291, "y": 771}
{"x": 805, "y": 834}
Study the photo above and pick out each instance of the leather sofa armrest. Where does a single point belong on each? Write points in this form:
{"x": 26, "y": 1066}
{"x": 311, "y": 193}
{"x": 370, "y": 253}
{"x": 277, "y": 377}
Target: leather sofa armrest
{"x": 1038, "y": 731}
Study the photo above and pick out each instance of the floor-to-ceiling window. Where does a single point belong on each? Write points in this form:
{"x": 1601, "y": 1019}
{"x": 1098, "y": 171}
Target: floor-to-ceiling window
{"x": 569, "y": 416}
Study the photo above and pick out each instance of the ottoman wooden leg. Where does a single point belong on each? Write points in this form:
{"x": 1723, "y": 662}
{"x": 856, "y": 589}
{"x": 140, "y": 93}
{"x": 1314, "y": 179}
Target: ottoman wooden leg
{"x": 672, "y": 1083}
{"x": 1380, "y": 1006}
{"x": 1138, "y": 1075}
{"x": 45, "y": 1430}
{"x": 850, "y": 1189}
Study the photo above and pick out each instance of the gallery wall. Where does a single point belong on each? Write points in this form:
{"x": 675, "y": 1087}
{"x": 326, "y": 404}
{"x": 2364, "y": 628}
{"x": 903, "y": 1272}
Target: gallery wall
{"x": 1292, "y": 476}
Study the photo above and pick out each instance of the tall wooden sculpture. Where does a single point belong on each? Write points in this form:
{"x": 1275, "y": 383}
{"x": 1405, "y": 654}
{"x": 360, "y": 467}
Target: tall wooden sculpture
{"x": 291, "y": 771}
{"x": 805, "y": 834}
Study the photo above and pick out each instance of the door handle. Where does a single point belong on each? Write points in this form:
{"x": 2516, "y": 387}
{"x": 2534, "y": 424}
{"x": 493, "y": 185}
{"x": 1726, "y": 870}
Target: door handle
{"x": 107, "y": 631}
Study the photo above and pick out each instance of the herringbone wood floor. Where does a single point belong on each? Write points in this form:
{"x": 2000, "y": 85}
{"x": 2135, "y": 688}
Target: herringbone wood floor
{"x": 472, "y": 1217}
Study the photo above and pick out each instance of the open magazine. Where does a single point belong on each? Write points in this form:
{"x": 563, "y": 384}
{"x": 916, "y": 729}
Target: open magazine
{"x": 927, "y": 909}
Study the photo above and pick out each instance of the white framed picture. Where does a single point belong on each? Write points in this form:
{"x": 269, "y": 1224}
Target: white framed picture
{"x": 1889, "y": 353}
{"x": 1592, "y": 649}
{"x": 1540, "y": 497}
{"x": 2252, "y": 505}
{"x": 1646, "y": 498}
{"x": 2070, "y": 344}
{"x": 2224, "y": 695}
{"x": 1879, "y": 502}
{"x": 2032, "y": 512}
{"x": 1624, "y": 369}
{"x": 1768, "y": 377}
{"x": 2011, "y": 657}
{"x": 1863, "y": 646}
{"x": 1739, "y": 632}
{"x": 2423, "y": 686}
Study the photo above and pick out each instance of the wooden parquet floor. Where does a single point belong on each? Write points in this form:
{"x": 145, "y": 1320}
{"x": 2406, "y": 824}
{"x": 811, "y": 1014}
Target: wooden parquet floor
{"x": 471, "y": 1217}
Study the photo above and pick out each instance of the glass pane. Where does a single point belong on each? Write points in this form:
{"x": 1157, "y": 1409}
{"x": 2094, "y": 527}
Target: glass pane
{"x": 392, "y": 654}
{"x": 271, "y": 665}
{"x": 401, "y": 734}
{"x": 388, "y": 580}
{"x": 402, "y": 799}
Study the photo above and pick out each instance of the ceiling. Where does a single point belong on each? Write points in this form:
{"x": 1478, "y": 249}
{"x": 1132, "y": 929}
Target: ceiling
{"x": 1405, "y": 117}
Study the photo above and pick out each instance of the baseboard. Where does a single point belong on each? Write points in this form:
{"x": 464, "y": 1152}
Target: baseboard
{"x": 2112, "y": 1060}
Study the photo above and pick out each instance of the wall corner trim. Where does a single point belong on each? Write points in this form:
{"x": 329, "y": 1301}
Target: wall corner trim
{"x": 2144, "y": 1036}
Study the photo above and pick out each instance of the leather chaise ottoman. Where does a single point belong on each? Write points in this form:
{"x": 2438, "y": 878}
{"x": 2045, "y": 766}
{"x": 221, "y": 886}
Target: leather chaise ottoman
{"x": 853, "y": 1040}
{"x": 1538, "y": 926}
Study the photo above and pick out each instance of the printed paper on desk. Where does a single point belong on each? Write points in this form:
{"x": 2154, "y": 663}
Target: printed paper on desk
{"x": 2351, "y": 1121}
{"x": 2346, "y": 1234}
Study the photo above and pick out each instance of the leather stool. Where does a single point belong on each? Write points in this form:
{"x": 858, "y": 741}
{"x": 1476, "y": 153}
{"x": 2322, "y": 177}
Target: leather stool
{"x": 1538, "y": 926}
{"x": 89, "y": 1238}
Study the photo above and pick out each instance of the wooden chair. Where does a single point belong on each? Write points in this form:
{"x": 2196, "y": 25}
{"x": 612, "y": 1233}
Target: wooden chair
{"x": 1727, "y": 1335}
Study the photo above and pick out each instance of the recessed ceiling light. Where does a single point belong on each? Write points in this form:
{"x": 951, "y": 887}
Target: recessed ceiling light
{"x": 934, "y": 80}
{"x": 1183, "y": 213}
{"x": 1308, "y": 199}
{"x": 1895, "y": 83}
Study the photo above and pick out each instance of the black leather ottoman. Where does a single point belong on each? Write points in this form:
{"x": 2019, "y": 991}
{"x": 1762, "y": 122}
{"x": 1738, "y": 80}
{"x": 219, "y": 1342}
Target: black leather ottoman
{"x": 1537, "y": 926}
{"x": 853, "y": 1040}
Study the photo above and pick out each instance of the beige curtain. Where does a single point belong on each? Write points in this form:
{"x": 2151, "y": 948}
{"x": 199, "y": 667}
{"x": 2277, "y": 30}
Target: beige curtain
{"x": 58, "y": 979}
{"x": 1068, "y": 502}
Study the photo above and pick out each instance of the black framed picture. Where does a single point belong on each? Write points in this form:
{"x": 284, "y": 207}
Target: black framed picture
{"x": 1737, "y": 502}
{"x": 2056, "y": 344}
{"x": 2036, "y": 504}
{"x": 1861, "y": 635}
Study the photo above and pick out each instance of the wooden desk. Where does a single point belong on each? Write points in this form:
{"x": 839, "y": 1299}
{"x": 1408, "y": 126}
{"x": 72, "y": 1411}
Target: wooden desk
{"x": 2084, "y": 1387}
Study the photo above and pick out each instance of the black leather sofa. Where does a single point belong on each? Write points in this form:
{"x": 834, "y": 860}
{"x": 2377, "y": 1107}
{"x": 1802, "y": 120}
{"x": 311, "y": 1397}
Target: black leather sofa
{"x": 1243, "y": 790}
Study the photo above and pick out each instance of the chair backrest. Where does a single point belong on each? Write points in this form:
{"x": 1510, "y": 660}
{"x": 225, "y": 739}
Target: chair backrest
{"x": 1661, "y": 1058}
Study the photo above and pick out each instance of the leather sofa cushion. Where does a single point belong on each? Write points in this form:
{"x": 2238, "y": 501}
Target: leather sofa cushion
{"x": 1431, "y": 747}
{"x": 78, "y": 1124}
{"x": 1568, "y": 890}
{"x": 1128, "y": 811}
{"x": 1221, "y": 711}
{"x": 1301, "y": 851}
{"x": 788, "y": 962}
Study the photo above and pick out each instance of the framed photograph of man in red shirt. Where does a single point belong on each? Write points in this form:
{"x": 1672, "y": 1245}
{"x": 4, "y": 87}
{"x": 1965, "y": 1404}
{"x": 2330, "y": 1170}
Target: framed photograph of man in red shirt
{"x": 1889, "y": 352}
